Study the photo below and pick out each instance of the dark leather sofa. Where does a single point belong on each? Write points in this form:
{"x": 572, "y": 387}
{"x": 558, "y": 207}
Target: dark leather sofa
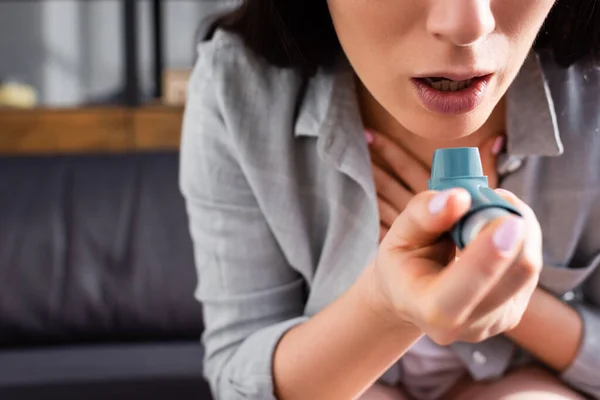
{"x": 97, "y": 280}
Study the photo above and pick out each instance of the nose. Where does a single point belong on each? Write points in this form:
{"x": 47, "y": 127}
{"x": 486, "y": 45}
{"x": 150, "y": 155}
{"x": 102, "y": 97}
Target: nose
{"x": 461, "y": 22}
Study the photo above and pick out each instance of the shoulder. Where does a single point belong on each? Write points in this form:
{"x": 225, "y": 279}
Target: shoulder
{"x": 253, "y": 103}
{"x": 229, "y": 71}
{"x": 242, "y": 106}
{"x": 224, "y": 52}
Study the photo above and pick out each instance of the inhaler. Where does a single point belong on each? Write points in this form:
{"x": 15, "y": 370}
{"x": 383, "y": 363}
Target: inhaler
{"x": 461, "y": 167}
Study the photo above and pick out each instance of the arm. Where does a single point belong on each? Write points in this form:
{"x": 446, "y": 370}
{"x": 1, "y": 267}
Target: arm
{"x": 547, "y": 314}
{"x": 573, "y": 345}
{"x": 341, "y": 351}
{"x": 251, "y": 297}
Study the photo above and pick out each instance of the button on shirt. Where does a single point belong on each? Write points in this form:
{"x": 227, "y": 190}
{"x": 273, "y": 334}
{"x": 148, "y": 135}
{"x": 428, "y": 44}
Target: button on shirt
{"x": 283, "y": 214}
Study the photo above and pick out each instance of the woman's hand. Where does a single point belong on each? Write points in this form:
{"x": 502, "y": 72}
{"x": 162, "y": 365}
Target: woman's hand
{"x": 398, "y": 175}
{"x": 416, "y": 279}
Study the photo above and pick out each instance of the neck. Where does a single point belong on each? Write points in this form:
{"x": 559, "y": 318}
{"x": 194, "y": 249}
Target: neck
{"x": 377, "y": 118}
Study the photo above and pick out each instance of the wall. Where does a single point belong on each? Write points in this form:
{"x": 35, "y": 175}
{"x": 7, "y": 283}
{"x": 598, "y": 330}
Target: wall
{"x": 71, "y": 51}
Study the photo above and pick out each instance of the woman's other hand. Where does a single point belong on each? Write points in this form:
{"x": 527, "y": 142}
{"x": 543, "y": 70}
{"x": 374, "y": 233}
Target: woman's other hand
{"x": 398, "y": 175}
{"x": 416, "y": 279}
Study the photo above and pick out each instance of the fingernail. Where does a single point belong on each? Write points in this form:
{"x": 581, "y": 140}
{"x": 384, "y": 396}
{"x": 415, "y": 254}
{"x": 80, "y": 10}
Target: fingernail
{"x": 438, "y": 203}
{"x": 498, "y": 145}
{"x": 369, "y": 137}
{"x": 508, "y": 235}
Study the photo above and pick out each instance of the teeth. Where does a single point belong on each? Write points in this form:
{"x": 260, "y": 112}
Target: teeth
{"x": 437, "y": 85}
{"x": 446, "y": 85}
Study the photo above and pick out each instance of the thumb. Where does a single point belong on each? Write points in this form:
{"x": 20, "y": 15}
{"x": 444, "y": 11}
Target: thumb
{"x": 426, "y": 218}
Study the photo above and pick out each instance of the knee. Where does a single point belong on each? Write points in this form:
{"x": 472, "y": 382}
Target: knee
{"x": 382, "y": 392}
{"x": 532, "y": 373}
{"x": 530, "y": 383}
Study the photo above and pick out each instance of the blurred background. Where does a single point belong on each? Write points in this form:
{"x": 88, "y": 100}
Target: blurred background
{"x": 74, "y": 52}
{"x": 71, "y": 54}
{"x": 97, "y": 276}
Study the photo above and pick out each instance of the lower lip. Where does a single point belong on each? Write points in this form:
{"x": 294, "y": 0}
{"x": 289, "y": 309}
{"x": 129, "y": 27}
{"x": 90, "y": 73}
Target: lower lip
{"x": 454, "y": 103}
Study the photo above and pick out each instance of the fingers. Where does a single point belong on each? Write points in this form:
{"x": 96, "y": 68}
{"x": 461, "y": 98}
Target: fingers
{"x": 533, "y": 245}
{"x": 514, "y": 289}
{"x": 494, "y": 318}
{"x": 527, "y": 212}
{"x": 403, "y": 164}
{"x": 464, "y": 283}
{"x": 494, "y": 145}
{"x": 383, "y": 230}
{"x": 531, "y": 258}
{"x": 489, "y": 151}
{"x": 387, "y": 213}
{"x": 390, "y": 189}
{"x": 427, "y": 216}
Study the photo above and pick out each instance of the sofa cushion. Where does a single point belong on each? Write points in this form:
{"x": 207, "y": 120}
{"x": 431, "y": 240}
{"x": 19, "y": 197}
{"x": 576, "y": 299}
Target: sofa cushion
{"x": 94, "y": 248}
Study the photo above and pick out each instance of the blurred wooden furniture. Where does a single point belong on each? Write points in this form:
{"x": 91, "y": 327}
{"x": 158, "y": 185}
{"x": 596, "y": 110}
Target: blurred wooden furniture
{"x": 132, "y": 126}
{"x": 90, "y": 130}
{"x": 175, "y": 82}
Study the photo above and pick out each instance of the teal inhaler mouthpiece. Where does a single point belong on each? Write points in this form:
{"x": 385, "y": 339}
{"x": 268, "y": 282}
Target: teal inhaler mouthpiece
{"x": 461, "y": 167}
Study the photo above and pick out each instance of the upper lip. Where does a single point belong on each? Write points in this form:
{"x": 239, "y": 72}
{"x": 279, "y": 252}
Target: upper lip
{"x": 456, "y": 76}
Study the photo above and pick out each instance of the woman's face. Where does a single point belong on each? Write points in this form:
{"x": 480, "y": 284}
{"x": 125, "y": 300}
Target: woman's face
{"x": 437, "y": 67}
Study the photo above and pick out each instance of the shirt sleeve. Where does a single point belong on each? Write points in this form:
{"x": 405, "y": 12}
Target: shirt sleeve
{"x": 584, "y": 372}
{"x": 250, "y": 294}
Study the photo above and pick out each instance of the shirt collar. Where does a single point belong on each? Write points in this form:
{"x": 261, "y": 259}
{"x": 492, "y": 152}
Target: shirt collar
{"x": 532, "y": 128}
{"x": 317, "y": 103}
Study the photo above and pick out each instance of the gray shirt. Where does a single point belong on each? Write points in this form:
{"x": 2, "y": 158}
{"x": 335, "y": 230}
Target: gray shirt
{"x": 283, "y": 209}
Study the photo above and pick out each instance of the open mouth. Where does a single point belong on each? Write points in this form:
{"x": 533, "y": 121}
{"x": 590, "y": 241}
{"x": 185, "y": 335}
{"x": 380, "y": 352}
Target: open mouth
{"x": 443, "y": 95}
{"x": 447, "y": 85}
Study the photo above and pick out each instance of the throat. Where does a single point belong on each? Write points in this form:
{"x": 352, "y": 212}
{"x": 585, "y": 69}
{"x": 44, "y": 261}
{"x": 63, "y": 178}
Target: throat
{"x": 423, "y": 149}
{"x": 376, "y": 117}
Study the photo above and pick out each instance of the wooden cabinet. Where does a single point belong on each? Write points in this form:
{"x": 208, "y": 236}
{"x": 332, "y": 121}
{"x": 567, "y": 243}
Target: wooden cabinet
{"x": 86, "y": 130}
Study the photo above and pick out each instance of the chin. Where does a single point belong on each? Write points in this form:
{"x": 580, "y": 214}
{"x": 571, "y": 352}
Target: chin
{"x": 437, "y": 127}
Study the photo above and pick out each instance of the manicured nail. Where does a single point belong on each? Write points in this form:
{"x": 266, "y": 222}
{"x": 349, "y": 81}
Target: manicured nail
{"x": 498, "y": 145}
{"x": 438, "y": 203}
{"x": 508, "y": 235}
{"x": 369, "y": 137}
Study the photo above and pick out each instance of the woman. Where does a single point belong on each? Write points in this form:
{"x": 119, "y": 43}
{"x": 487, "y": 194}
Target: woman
{"x": 309, "y": 131}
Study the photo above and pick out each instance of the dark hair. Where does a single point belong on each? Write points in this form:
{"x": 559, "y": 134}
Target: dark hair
{"x": 300, "y": 34}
